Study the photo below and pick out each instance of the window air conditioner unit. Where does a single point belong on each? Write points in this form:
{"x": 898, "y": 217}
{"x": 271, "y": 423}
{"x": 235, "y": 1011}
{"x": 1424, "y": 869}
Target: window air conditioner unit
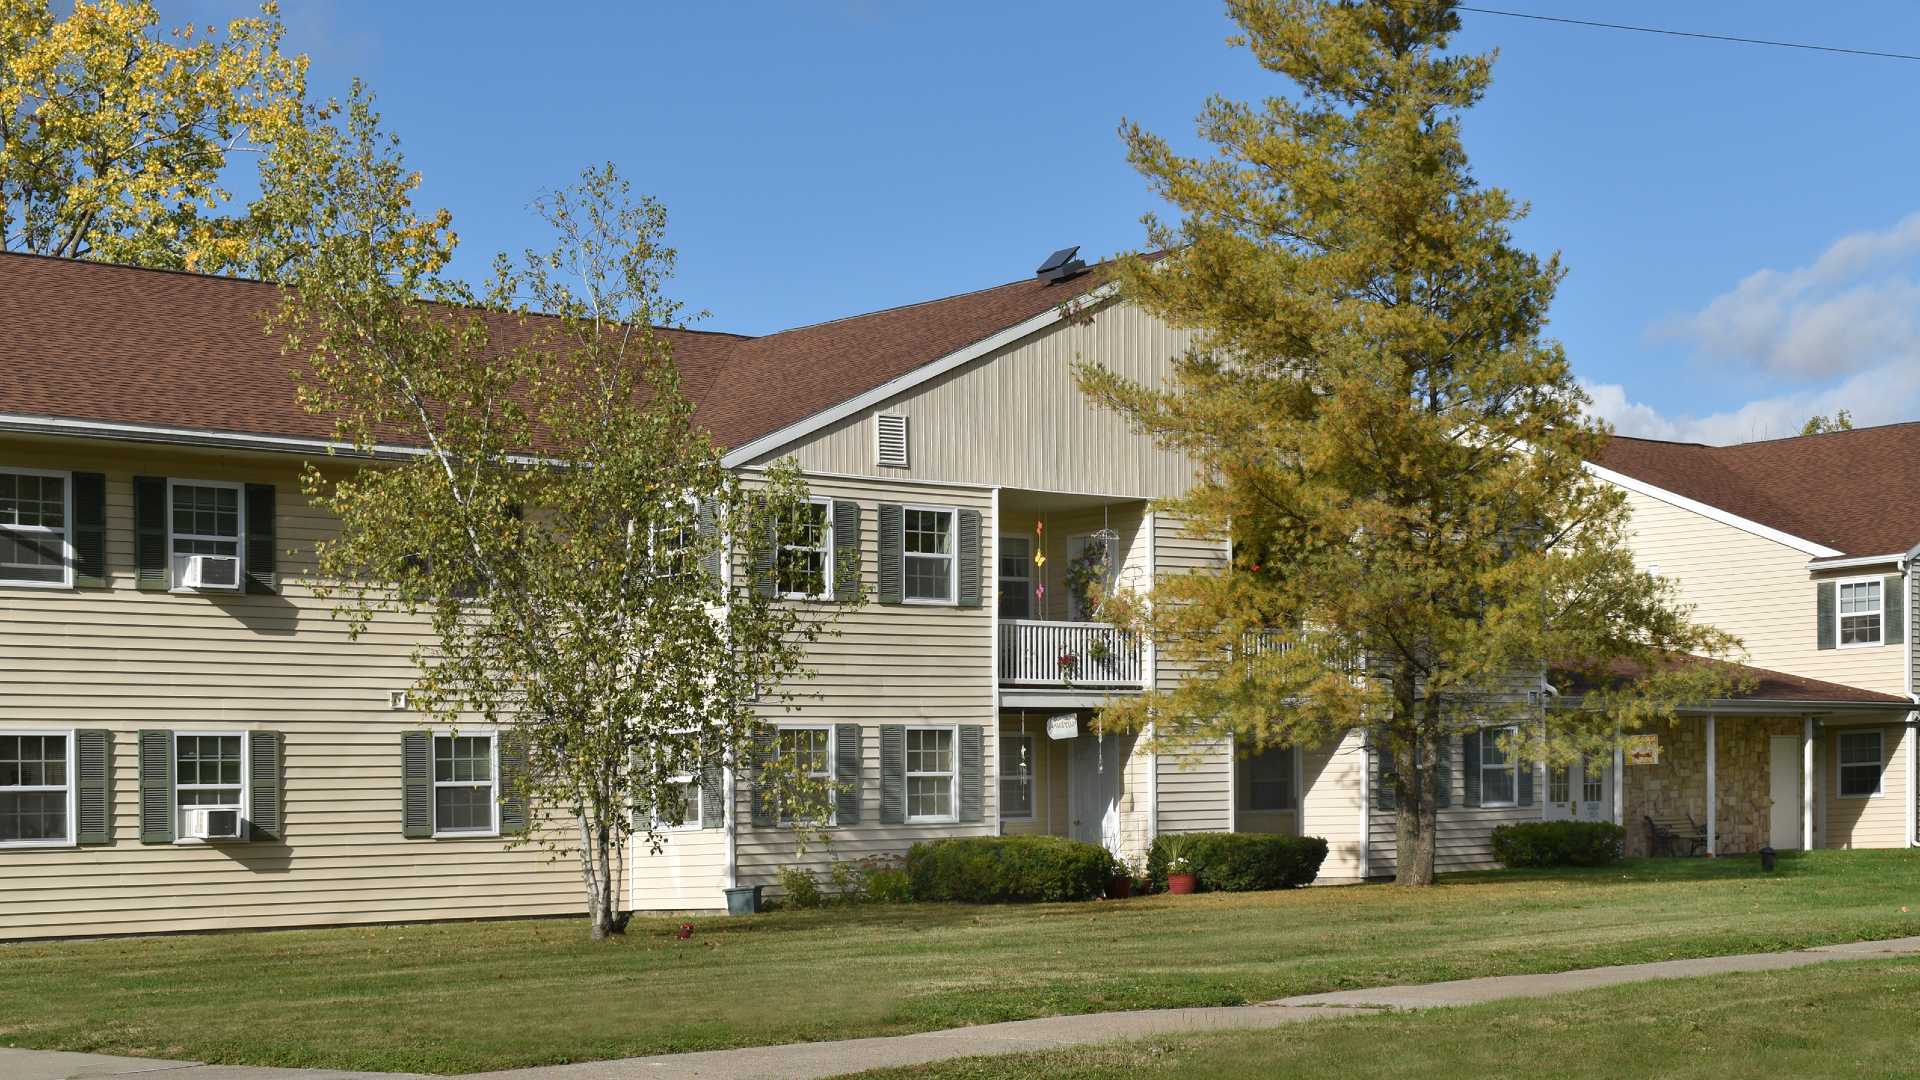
{"x": 211, "y": 572}
{"x": 213, "y": 823}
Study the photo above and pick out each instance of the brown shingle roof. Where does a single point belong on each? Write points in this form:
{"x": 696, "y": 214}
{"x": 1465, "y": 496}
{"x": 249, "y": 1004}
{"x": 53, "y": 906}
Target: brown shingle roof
{"x": 1764, "y": 684}
{"x": 1857, "y": 492}
{"x": 92, "y": 341}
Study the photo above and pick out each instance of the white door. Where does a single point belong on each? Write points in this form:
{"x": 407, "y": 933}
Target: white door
{"x": 1581, "y": 792}
{"x": 1783, "y": 821}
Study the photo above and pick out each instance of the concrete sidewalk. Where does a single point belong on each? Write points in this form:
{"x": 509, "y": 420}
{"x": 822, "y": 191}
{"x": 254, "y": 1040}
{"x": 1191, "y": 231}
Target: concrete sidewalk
{"x": 821, "y": 1059}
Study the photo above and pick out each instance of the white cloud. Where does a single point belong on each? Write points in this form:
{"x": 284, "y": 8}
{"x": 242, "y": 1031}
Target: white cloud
{"x": 1850, "y": 310}
{"x": 1880, "y": 395}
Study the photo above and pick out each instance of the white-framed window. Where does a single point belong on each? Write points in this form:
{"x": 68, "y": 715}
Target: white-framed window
{"x": 466, "y": 785}
{"x": 1269, "y": 780}
{"x": 1499, "y": 772}
{"x": 813, "y": 747}
{"x": 932, "y": 779}
{"x": 1858, "y": 765}
{"x": 803, "y": 552}
{"x": 1016, "y": 577}
{"x": 1861, "y": 612}
{"x": 36, "y": 542}
{"x": 206, "y": 534}
{"x": 209, "y": 773}
{"x": 926, "y": 549}
{"x": 683, "y": 793}
{"x": 36, "y": 789}
{"x": 1593, "y": 780}
{"x": 1016, "y": 776}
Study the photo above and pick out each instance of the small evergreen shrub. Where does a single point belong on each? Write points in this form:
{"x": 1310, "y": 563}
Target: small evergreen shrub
{"x": 1558, "y": 843}
{"x": 1239, "y": 862}
{"x": 1008, "y": 869}
{"x": 889, "y": 885}
{"x": 799, "y": 888}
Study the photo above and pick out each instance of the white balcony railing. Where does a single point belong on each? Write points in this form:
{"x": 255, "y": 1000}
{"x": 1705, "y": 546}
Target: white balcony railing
{"x": 1034, "y": 653}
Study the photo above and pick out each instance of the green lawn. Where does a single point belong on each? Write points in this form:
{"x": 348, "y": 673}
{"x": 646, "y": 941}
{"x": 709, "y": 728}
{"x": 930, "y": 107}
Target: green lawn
{"x": 465, "y": 997}
{"x": 1838, "y": 1020}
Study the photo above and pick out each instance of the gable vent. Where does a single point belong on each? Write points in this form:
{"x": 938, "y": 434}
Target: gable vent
{"x": 890, "y": 441}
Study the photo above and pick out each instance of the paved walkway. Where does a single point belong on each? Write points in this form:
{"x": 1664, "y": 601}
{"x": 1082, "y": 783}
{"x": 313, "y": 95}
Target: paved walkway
{"x": 821, "y": 1059}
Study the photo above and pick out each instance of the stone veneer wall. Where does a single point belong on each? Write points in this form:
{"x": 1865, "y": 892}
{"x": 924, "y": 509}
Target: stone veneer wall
{"x": 1679, "y": 783}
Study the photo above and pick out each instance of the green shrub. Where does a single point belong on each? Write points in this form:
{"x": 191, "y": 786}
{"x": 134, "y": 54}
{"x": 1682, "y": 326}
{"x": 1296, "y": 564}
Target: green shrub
{"x": 1239, "y": 862}
{"x": 799, "y": 888}
{"x": 1558, "y": 843}
{"x": 889, "y": 885}
{"x": 1008, "y": 869}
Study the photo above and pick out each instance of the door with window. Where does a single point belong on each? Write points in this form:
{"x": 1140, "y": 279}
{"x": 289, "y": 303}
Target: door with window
{"x": 1582, "y": 791}
{"x": 1094, "y": 789}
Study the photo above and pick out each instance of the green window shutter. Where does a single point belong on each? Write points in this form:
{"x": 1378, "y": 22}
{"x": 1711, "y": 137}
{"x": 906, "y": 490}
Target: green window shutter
{"x": 763, "y": 553}
{"x": 972, "y": 773}
{"x": 893, "y": 774}
{"x": 1470, "y": 759}
{"x": 713, "y": 797}
{"x": 846, "y": 774}
{"x": 263, "y": 794}
{"x": 1824, "y": 606}
{"x": 150, "y": 560}
{"x": 967, "y": 539}
{"x": 513, "y": 776}
{"x": 1894, "y": 605}
{"x": 416, "y": 785}
{"x": 1443, "y": 774}
{"x": 89, "y": 530}
{"x": 846, "y": 550}
{"x": 156, "y": 787}
{"x": 761, "y": 809}
{"x": 1383, "y": 793}
{"x": 892, "y": 568}
{"x": 1526, "y": 769}
{"x": 93, "y": 754}
{"x": 263, "y": 574}
{"x": 709, "y": 532}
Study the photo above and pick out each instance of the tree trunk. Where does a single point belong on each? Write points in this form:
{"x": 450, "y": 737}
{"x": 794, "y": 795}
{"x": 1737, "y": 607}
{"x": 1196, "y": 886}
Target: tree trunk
{"x": 1417, "y": 819}
{"x": 597, "y": 877}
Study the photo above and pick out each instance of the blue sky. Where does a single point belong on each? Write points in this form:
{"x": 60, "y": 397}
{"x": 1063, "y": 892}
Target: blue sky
{"x": 1735, "y": 219}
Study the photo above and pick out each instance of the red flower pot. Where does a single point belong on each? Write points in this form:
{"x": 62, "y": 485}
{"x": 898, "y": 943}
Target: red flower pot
{"x": 1180, "y": 884}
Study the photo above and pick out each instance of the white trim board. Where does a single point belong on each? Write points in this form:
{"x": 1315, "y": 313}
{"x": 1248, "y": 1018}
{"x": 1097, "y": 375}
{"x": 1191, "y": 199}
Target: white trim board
{"x": 1713, "y": 513}
{"x": 900, "y": 384}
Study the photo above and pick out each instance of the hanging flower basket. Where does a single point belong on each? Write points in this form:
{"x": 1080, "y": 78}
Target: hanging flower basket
{"x": 1068, "y": 663}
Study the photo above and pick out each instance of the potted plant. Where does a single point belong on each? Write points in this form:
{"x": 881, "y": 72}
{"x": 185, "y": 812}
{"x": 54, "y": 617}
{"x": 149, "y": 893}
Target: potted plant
{"x": 1180, "y": 876}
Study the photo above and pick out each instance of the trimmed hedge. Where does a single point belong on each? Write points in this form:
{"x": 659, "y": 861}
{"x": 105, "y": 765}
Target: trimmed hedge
{"x": 1241, "y": 862}
{"x": 1558, "y": 843}
{"x": 1008, "y": 869}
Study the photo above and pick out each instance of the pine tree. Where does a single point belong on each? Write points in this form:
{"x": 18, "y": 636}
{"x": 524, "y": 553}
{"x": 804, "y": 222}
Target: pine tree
{"x": 1395, "y": 449}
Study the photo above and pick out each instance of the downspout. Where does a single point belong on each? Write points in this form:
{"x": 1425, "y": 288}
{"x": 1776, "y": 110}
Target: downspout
{"x": 728, "y": 781}
{"x": 1366, "y": 805}
{"x": 1912, "y": 732}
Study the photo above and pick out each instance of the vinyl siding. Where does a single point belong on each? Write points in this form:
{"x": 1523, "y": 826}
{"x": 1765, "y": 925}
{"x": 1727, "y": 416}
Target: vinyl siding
{"x": 1015, "y": 418}
{"x": 1333, "y": 785}
{"x": 1196, "y": 787}
{"x": 124, "y": 660}
{"x": 1758, "y": 590}
{"x": 1877, "y": 822}
{"x": 688, "y": 873}
{"x": 886, "y": 664}
{"x": 1179, "y": 549}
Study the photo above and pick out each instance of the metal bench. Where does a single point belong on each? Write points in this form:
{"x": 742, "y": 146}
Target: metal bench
{"x": 1668, "y": 835}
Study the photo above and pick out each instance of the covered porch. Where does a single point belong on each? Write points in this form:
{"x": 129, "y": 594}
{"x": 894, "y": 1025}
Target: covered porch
{"x": 1061, "y": 776}
{"x": 1792, "y": 763}
{"x": 1057, "y": 553}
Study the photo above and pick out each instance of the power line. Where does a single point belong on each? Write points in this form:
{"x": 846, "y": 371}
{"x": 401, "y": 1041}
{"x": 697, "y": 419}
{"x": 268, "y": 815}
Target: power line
{"x": 1689, "y": 34}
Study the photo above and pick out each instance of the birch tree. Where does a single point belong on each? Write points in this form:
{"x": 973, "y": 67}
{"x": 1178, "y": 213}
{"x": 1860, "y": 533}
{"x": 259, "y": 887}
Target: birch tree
{"x": 1395, "y": 448}
{"x": 558, "y": 515}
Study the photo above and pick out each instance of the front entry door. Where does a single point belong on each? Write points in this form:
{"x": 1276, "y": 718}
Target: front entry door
{"x": 1583, "y": 791}
{"x": 1783, "y": 820}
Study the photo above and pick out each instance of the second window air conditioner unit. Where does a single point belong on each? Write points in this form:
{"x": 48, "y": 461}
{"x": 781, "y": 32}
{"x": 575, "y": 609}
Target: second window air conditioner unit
{"x": 211, "y": 572}
{"x": 213, "y": 823}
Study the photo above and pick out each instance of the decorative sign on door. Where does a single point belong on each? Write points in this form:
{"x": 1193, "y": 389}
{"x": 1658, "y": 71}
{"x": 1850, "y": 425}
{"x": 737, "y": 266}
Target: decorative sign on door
{"x": 1643, "y": 750}
{"x": 1063, "y": 726}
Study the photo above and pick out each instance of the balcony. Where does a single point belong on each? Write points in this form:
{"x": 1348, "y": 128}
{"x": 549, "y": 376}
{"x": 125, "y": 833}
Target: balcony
{"x": 1069, "y": 655}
